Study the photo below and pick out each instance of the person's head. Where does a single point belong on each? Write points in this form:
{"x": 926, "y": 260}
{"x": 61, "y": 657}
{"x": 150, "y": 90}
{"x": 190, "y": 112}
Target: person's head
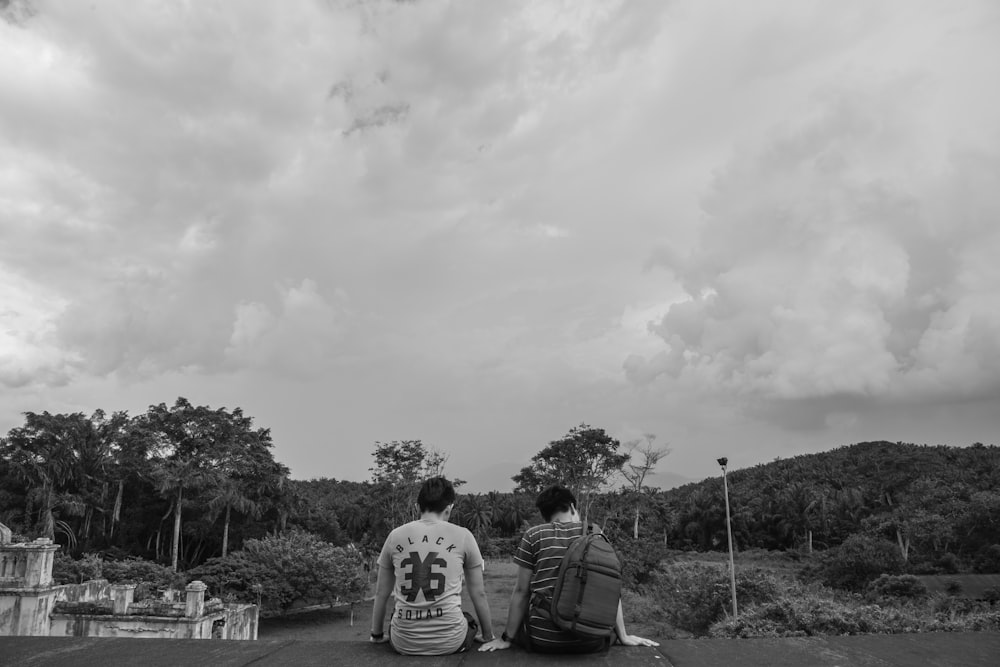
{"x": 554, "y": 500}
{"x": 435, "y": 495}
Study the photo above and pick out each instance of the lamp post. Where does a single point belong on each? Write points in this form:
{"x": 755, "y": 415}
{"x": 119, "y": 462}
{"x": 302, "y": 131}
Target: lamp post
{"x": 729, "y": 534}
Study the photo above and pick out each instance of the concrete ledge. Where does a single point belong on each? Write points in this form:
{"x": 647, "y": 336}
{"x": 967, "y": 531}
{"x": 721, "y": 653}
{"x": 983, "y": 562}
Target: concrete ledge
{"x": 978, "y": 649}
{"x": 111, "y": 652}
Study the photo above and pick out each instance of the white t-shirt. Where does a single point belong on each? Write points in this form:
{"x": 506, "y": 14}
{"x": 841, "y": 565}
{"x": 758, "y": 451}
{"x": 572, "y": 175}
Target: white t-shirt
{"x": 429, "y": 558}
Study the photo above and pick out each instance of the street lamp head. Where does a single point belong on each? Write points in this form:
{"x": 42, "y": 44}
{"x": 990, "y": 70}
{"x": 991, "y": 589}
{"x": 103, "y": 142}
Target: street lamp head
{"x": 723, "y": 461}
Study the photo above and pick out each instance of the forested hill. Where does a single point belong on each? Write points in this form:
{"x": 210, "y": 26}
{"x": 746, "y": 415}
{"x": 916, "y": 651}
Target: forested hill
{"x": 945, "y": 496}
{"x": 876, "y": 468}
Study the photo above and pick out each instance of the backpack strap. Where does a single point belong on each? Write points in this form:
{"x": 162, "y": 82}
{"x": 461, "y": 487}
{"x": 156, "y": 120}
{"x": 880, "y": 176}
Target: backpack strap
{"x": 593, "y": 529}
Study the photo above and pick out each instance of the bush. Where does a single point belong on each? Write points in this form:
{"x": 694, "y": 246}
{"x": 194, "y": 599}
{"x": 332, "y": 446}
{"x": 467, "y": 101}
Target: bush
{"x": 802, "y": 615}
{"x": 696, "y": 595}
{"x": 858, "y": 561}
{"x": 66, "y": 570}
{"x": 639, "y": 559}
{"x": 987, "y": 560}
{"x": 897, "y": 586}
{"x": 806, "y": 612}
{"x": 948, "y": 563}
{"x": 280, "y": 571}
{"x": 137, "y": 570}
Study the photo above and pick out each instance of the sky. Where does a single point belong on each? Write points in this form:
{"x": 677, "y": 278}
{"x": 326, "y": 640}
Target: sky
{"x": 753, "y": 230}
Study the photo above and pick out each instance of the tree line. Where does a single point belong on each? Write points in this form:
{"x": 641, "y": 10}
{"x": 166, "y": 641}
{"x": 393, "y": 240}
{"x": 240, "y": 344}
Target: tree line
{"x": 184, "y": 483}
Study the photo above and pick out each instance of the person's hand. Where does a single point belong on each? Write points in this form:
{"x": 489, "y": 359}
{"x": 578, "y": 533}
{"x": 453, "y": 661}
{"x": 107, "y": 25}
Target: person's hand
{"x": 636, "y": 640}
{"x": 497, "y": 644}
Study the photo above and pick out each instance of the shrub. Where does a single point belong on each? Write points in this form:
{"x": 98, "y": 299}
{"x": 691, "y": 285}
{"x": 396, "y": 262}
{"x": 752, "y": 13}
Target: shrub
{"x": 897, "y": 586}
{"x": 639, "y": 559}
{"x": 855, "y": 563}
{"x": 802, "y": 615}
{"x": 279, "y": 571}
{"x": 696, "y": 595}
{"x": 947, "y": 563}
{"x": 987, "y": 560}
{"x": 237, "y": 578}
{"x": 66, "y": 570}
{"x": 137, "y": 570}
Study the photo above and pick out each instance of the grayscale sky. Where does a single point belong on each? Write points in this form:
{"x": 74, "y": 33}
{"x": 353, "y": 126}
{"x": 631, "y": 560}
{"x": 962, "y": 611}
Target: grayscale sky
{"x": 753, "y": 229}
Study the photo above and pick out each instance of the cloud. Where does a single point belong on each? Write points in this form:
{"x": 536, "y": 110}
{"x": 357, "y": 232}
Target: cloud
{"x": 29, "y": 350}
{"x": 439, "y": 213}
{"x": 300, "y": 339}
{"x": 845, "y": 256}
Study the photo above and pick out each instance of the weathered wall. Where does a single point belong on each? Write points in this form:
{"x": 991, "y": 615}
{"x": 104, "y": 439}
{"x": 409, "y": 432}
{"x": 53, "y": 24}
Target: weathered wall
{"x": 241, "y": 621}
{"x": 28, "y": 604}
{"x": 82, "y": 625}
{"x": 88, "y": 591}
{"x": 25, "y": 613}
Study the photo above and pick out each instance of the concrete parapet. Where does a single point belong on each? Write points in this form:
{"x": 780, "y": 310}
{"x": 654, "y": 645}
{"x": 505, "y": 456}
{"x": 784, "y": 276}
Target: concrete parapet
{"x": 121, "y": 597}
{"x": 195, "y": 599}
{"x": 30, "y": 605}
{"x": 27, "y": 564}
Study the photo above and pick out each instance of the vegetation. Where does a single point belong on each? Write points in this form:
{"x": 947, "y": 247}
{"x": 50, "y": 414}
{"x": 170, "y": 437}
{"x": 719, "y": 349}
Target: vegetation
{"x": 278, "y": 572}
{"x": 186, "y": 491}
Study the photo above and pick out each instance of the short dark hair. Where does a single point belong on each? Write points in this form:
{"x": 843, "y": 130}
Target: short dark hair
{"x": 554, "y": 499}
{"x": 435, "y": 494}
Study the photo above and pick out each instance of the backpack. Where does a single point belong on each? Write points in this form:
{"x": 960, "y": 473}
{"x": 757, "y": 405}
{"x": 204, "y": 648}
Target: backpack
{"x": 588, "y": 587}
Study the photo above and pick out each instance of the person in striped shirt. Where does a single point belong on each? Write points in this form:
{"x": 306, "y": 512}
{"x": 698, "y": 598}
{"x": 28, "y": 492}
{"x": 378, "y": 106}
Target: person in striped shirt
{"x": 538, "y": 557}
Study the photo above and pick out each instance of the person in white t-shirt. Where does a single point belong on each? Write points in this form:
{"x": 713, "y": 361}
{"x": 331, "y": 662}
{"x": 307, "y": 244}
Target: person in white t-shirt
{"x": 421, "y": 566}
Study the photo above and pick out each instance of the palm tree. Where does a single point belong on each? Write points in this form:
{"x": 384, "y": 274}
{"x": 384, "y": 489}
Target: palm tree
{"x": 704, "y": 516}
{"x": 173, "y": 476}
{"x": 43, "y": 454}
{"x": 476, "y": 514}
{"x": 799, "y": 509}
{"x": 227, "y": 496}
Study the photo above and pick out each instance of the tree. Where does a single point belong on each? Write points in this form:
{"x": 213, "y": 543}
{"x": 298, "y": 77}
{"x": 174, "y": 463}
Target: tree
{"x": 583, "y": 461}
{"x": 44, "y": 454}
{"x": 636, "y": 469}
{"x": 400, "y": 467}
{"x": 475, "y": 513}
{"x": 173, "y": 476}
{"x": 703, "y": 517}
{"x": 201, "y": 448}
{"x": 800, "y": 508}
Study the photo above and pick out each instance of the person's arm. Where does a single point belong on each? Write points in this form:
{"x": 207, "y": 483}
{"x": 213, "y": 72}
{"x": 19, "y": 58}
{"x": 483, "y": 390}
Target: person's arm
{"x": 519, "y": 599}
{"x": 624, "y": 637}
{"x": 383, "y": 589}
{"x": 477, "y": 593}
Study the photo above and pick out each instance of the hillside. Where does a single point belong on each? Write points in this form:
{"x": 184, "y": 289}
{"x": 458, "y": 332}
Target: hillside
{"x": 931, "y": 500}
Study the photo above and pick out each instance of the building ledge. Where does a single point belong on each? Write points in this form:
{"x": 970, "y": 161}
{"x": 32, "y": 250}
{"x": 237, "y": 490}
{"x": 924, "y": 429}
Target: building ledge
{"x": 928, "y": 650}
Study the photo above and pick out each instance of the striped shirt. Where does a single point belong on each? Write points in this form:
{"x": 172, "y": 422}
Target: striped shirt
{"x": 541, "y": 551}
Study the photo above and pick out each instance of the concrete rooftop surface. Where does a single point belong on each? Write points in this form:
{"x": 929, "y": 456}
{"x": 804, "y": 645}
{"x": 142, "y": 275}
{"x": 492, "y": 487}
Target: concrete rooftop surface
{"x": 980, "y": 649}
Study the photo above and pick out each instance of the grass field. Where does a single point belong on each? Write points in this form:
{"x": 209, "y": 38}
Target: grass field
{"x": 335, "y": 624}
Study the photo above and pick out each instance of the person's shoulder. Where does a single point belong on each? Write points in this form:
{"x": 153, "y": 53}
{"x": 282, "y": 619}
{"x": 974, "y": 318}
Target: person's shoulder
{"x": 464, "y": 532}
{"x": 402, "y": 529}
{"x": 540, "y": 529}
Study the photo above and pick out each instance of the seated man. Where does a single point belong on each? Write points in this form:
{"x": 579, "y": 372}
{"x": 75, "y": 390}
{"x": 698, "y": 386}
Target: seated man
{"x": 421, "y": 565}
{"x": 539, "y": 555}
